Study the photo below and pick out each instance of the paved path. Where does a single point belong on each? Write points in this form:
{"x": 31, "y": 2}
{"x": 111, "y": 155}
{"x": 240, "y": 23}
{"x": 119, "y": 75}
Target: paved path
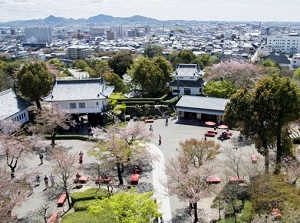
{"x": 171, "y": 136}
{"x": 159, "y": 176}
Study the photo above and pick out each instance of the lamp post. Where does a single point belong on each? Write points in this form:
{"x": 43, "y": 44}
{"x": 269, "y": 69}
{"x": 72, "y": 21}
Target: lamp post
{"x": 177, "y": 86}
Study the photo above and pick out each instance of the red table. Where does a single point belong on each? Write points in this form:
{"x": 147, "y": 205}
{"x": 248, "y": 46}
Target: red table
{"x": 236, "y": 179}
{"x": 213, "y": 180}
{"x": 134, "y": 178}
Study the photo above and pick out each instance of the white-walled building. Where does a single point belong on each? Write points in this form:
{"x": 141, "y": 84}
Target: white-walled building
{"x": 82, "y": 96}
{"x": 77, "y": 52}
{"x": 41, "y": 34}
{"x": 285, "y": 43}
{"x": 13, "y": 107}
{"x": 187, "y": 80}
{"x": 296, "y": 60}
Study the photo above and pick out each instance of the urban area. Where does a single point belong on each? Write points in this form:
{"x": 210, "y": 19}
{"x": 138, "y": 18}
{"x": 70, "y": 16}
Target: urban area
{"x": 137, "y": 120}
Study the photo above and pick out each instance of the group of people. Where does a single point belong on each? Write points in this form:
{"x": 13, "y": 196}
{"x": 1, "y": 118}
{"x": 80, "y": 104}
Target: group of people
{"x": 46, "y": 180}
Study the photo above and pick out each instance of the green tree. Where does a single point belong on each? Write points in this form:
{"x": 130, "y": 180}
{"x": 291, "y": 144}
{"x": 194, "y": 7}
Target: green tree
{"x": 100, "y": 67}
{"x": 219, "y": 89}
{"x": 297, "y": 74}
{"x": 204, "y": 60}
{"x": 120, "y": 62}
{"x": 127, "y": 207}
{"x": 185, "y": 57}
{"x": 151, "y": 76}
{"x": 271, "y": 107}
{"x": 115, "y": 80}
{"x": 81, "y": 65}
{"x": 35, "y": 81}
{"x": 5, "y": 81}
{"x": 152, "y": 51}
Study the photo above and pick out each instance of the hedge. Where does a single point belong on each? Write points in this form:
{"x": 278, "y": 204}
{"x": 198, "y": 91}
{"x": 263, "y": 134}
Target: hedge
{"x": 79, "y": 137}
{"x": 88, "y": 194}
{"x": 80, "y": 216}
{"x": 248, "y": 212}
{"x": 83, "y": 205}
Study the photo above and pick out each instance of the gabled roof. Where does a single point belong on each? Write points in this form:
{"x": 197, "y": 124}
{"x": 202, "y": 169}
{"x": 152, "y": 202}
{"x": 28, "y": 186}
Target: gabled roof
{"x": 187, "y": 83}
{"x": 187, "y": 70}
{"x": 11, "y": 104}
{"x": 76, "y": 90}
{"x": 278, "y": 58}
{"x": 204, "y": 103}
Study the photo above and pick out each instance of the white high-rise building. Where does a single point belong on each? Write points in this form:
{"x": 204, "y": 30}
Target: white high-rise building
{"x": 41, "y": 34}
{"x": 285, "y": 43}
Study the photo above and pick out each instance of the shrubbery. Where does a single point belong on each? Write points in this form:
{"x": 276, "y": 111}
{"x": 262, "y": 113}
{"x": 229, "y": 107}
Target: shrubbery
{"x": 80, "y": 216}
{"x": 83, "y": 205}
{"x": 88, "y": 194}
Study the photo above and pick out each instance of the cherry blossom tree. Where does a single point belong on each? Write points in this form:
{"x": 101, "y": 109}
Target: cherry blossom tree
{"x": 187, "y": 173}
{"x": 14, "y": 144}
{"x": 51, "y": 120}
{"x": 64, "y": 167}
{"x": 120, "y": 144}
{"x": 240, "y": 74}
{"x": 12, "y": 193}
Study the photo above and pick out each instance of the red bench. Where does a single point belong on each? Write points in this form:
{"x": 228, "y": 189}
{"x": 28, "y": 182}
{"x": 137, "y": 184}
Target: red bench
{"x": 149, "y": 120}
{"x": 81, "y": 179}
{"x": 212, "y": 131}
{"x": 209, "y": 134}
{"x": 236, "y": 179}
{"x": 253, "y": 158}
{"x": 134, "y": 179}
{"x": 213, "y": 180}
{"x": 61, "y": 200}
{"x": 102, "y": 180}
{"x": 53, "y": 218}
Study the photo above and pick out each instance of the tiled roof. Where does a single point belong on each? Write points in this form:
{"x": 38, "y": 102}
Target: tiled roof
{"x": 187, "y": 83}
{"x": 187, "y": 70}
{"x": 199, "y": 102}
{"x": 83, "y": 89}
{"x": 11, "y": 104}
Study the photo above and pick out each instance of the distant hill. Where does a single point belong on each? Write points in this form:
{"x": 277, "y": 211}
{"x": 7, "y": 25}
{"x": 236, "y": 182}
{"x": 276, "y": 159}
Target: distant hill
{"x": 96, "y": 20}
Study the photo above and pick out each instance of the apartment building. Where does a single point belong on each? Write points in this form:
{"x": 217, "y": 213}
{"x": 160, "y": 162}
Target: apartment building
{"x": 285, "y": 43}
{"x": 77, "y": 52}
{"x": 39, "y": 34}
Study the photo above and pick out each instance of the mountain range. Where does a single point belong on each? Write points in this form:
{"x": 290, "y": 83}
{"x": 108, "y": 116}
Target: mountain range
{"x": 103, "y": 20}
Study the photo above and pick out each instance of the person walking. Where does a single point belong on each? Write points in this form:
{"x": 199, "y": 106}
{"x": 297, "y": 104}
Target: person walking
{"x": 51, "y": 177}
{"x": 151, "y": 128}
{"x": 80, "y": 158}
{"x": 167, "y": 121}
{"x": 41, "y": 156}
{"x": 46, "y": 182}
{"x": 159, "y": 139}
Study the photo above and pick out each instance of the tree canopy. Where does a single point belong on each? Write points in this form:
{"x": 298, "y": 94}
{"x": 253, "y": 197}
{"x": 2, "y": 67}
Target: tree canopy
{"x": 219, "y": 89}
{"x": 266, "y": 112}
{"x": 120, "y": 62}
{"x": 240, "y": 74}
{"x": 151, "y": 76}
{"x": 35, "y": 81}
{"x": 127, "y": 207}
{"x": 152, "y": 51}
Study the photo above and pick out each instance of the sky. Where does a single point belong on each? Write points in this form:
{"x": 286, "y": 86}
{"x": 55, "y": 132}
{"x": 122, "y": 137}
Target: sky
{"x": 201, "y": 10}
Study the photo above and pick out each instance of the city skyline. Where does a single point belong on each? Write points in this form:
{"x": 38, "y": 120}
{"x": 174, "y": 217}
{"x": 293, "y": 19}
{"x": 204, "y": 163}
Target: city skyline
{"x": 203, "y": 10}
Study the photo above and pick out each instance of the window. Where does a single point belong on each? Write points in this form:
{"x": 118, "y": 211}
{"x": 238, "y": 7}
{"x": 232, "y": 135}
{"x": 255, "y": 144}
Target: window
{"x": 72, "y": 105}
{"x": 81, "y": 105}
{"x": 97, "y": 104}
{"x": 187, "y": 91}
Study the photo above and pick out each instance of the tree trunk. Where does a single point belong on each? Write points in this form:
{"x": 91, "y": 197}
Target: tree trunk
{"x": 196, "y": 219}
{"x": 120, "y": 174}
{"x": 38, "y": 104}
{"x": 53, "y": 135}
{"x": 68, "y": 197}
{"x": 266, "y": 153}
{"x": 278, "y": 155}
